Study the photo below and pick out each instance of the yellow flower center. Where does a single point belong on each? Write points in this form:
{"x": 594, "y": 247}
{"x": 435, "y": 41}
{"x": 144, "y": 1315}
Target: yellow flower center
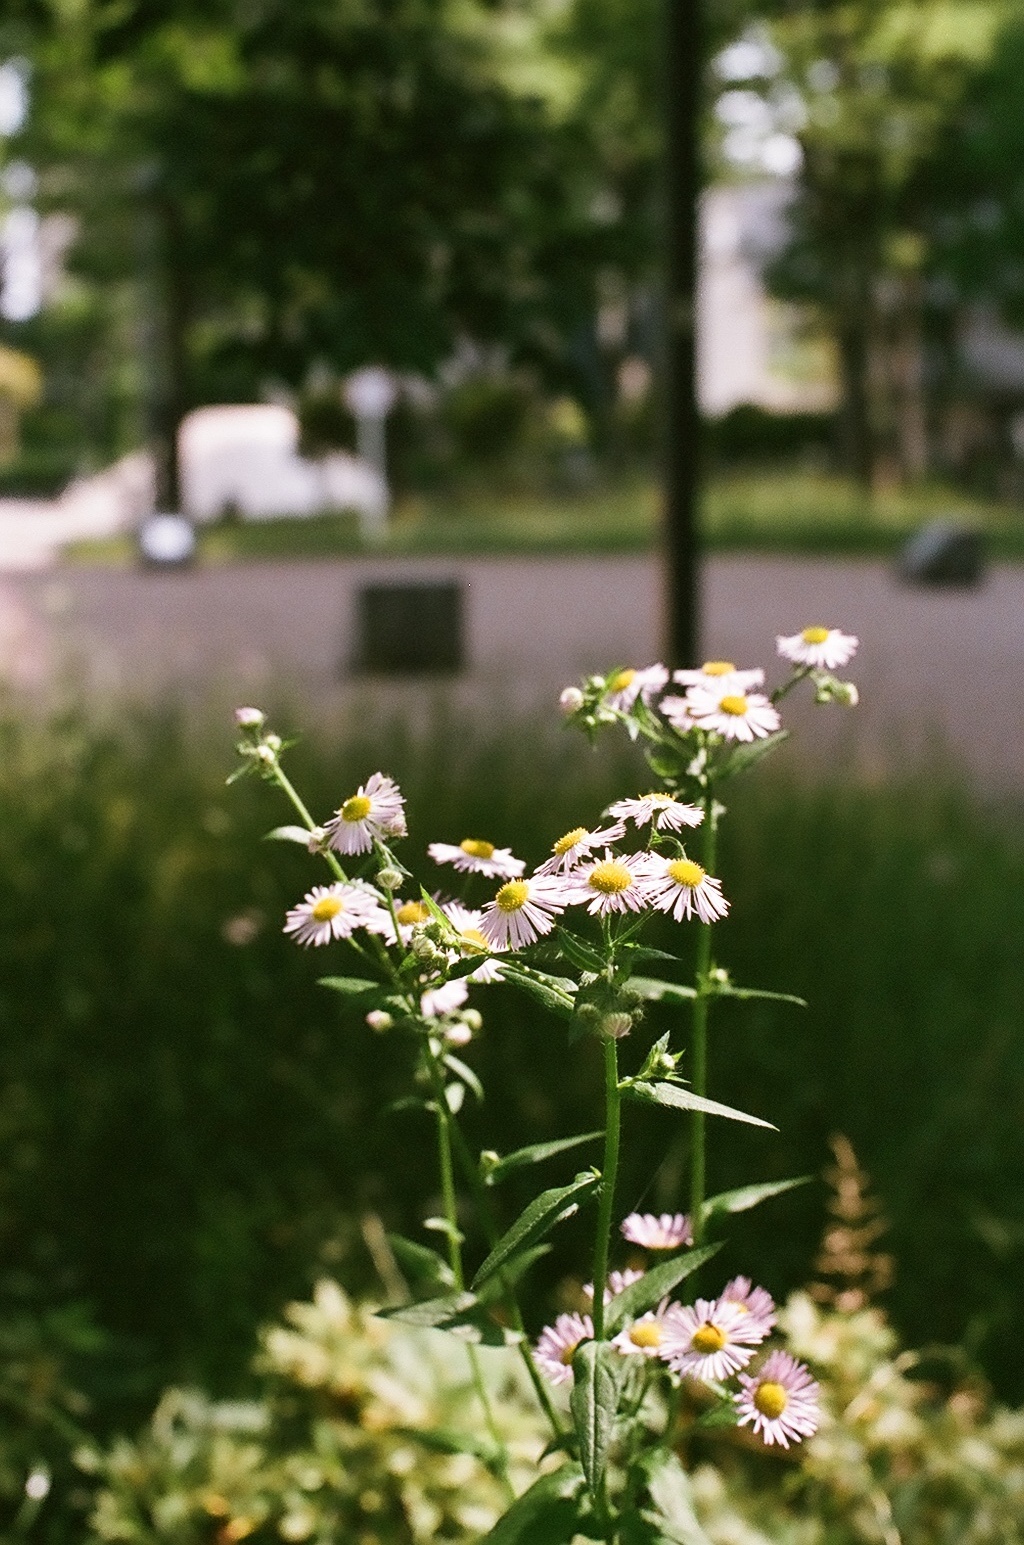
{"x": 734, "y": 704}
{"x": 569, "y": 1353}
{"x": 708, "y": 1338}
{"x": 327, "y": 907}
{"x": 570, "y": 840}
{"x": 474, "y": 847}
{"x": 475, "y": 939}
{"x": 814, "y": 636}
{"x": 685, "y": 872}
{"x": 512, "y": 896}
{"x": 609, "y": 878}
{"x": 718, "y": 667}
{"x": 412, "y": 912}
{"x": 620, "y": 681}
{"x": 771, "y": 1400}
{"x": 647, "y": 1334}
{"x": 356, "y": 809}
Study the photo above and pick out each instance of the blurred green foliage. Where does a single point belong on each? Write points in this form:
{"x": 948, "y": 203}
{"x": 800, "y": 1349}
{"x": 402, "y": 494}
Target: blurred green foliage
{"x": 191, "y": 1129}
{"x": 911, "y": 1447}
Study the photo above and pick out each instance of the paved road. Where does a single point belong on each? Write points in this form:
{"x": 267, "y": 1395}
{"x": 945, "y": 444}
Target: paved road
{"x": 935, "y": 665}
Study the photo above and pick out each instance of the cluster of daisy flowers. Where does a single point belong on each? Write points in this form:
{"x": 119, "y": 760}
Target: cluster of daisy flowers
{"x": 719, "y": 698}
{"x": 712, "y": 1341}
{"x": 586, "y": 868}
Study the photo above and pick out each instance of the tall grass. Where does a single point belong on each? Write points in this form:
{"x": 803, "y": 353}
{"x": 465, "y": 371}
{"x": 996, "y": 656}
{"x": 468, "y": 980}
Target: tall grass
{"x": 189, "y": 1127}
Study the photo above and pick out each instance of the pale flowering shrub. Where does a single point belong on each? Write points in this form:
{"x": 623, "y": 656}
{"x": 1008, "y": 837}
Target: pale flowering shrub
{"x": 638, "y": 1360}
{"x": 329, "y": 1451}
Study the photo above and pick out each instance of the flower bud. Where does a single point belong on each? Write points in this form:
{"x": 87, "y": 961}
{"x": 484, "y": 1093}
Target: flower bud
{"x": 266, "y": 754}
{"x": 250, "y": 718}
{"x": 389, "y": 879}
{"x": 614, "y": 1026}
{"x": 379, "y": 1020}
{"x": 571, "y": 701}
{"x": 274, "y": 742}
{"x": 316, "y": 839}
{"x": 473, "y": 1018}
{"x": 458, "y": 1034}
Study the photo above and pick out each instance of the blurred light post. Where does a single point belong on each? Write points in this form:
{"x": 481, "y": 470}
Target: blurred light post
{"x": 371, "y": 394}
{"x": 682, "y": 179}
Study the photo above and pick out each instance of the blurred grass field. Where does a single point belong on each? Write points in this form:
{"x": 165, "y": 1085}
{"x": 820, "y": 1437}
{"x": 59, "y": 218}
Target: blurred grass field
{"x": 191, "y": 1128}
{"x": 770, "y": 511}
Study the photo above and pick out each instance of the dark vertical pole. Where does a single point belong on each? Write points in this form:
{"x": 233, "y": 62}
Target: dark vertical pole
{"x": 682, "y": 186}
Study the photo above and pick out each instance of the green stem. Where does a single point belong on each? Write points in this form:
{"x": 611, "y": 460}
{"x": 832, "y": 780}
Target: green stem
{"x": 483, "y": 1205}
{"x": 287, "y": 787}
{"x": 613, "y": 1101}
{"x": 445, "y": 1126}
{"x": 699, "y": 1048}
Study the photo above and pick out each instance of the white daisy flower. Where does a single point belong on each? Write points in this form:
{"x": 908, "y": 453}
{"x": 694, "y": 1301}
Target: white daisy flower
{"x": 475, "y": 856}
{"x": 666, "y": 1232}
{"x": 666, "y": 812}
{"x": 645, "y": 1336}
{"x": 617, "y": 1280}
{"x": 612, "y": 884}
{"x": 714, "y": 672}
{"x": 374, "y": 811}
{"x": 556, "y": 1345}
{"x": 819, "y": 648}
{"x": 700, "y": 1340}
{"x": 756, "y": 1303}
{"x": 677, "y": 712}
{"x": 437, "y": 1001}
{"x": 467, "y": 923}
{"x": 680, "y": 886}
{"x": 521, "y": 911}
{"x": 576, "y": 845}
{"x": 780, "y": 1401}
{"x": 733, "y": 715}
{"x": 623, "y": 688}
{"x": 330, "y": 912}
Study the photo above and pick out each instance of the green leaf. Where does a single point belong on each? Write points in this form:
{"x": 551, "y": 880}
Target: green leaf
{"x": 582, "y": 954}
{"x": 646, "y": 952}
{"x": 598, "y": 1371}
{"x": 655, "y": 991}
{"x": 547, "y": 1514}
{"x": 652, "y": 1287}
{"x": 748, "y": 994}
{"x": 296, "y": 834}
{"x": 535, "y": 1153}
{"x": 462, "y": 1314}
{"x": 723, "y": 1414}
{"x": 435, "y": 911}
{"x": 495, "y": 1289}
{"x": 446, "y": 1227}
{"x": 351, "y": 986}
{"x": 671, "y": 1494}
{"x": 748, "y": 754}
{"x": 420, "y": 1264}
{"x": 667, "y": 763}
{"x": 678, "y": 1098}
{"x": 746, "y": 1197}
{"x": 547, "y": 1209}
{"x": 446, "y": 1440}
{"x": 463, "y": 1071}
{"x": 555, "y": 992}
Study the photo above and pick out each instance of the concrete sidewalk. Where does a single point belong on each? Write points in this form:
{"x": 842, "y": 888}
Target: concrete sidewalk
{"x": 935, "y": 666}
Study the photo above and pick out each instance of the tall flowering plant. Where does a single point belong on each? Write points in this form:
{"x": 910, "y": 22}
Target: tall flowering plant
{"x": 615, "y": 1379}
